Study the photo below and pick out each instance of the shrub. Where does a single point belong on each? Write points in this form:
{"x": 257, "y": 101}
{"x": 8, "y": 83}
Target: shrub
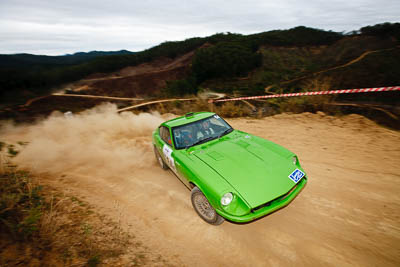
{"x": 181, "y": 87}
{"x": 233, "y": 109}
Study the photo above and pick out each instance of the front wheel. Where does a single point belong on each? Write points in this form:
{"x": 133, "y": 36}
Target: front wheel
{"x": 204, "y": 209}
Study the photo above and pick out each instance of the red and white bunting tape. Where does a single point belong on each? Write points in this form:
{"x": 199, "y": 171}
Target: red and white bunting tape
{"x": 346, "y": 91}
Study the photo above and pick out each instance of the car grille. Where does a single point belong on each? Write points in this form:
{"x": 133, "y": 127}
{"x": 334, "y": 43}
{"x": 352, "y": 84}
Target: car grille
{"x": 280, "y": 198}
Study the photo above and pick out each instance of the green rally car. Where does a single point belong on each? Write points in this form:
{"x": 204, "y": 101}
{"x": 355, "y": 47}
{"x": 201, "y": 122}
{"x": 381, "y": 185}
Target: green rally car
{"x": 232, "y": 174}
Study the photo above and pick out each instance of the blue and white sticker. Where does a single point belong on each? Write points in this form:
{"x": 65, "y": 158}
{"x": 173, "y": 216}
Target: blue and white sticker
{"x": 296, "y": 175}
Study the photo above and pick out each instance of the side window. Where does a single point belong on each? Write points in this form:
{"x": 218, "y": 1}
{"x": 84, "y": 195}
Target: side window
{"x": 165, "y": 136}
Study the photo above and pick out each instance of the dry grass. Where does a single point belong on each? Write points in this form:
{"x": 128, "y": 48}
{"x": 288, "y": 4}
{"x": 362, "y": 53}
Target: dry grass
{"x": 259, "y": 108}
{"x": 225, "y": 109}
{"x": 310, "y": 103}
{"x": 267, "y": 107}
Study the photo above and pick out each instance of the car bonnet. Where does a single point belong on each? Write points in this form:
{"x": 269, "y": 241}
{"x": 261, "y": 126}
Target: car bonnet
{"x": 257, "y": 172}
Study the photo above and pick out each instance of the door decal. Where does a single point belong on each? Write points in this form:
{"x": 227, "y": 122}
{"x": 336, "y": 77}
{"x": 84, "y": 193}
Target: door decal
{"x": 167, "y": 151}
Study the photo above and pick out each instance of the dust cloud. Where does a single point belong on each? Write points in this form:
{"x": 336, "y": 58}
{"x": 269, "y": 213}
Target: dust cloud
{"x": 96, "y": 141}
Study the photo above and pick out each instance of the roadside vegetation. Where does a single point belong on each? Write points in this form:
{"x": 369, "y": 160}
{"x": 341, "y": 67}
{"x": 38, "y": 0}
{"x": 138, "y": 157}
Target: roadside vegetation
{"x": 43, "y": 226}
{"x": 336, "y": 105}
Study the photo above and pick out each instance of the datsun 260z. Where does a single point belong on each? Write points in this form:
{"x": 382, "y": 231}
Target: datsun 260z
{"x": 232, "y": 175}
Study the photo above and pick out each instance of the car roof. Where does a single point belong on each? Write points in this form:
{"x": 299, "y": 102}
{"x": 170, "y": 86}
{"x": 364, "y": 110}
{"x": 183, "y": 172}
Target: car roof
{"x": 188, "y": 118}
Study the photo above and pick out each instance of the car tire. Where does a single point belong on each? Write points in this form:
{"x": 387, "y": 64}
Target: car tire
{"x": 160, "y": 159}
{"x": 204, "y": 209}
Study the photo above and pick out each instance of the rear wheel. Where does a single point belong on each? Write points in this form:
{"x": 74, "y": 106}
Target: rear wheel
{"x": 204, "y": 208}
{"x": 160, "y": 159}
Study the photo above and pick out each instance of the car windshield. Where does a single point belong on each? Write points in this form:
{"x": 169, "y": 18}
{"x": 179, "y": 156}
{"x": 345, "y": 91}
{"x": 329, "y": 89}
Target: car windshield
{"x": 200, "y": 132}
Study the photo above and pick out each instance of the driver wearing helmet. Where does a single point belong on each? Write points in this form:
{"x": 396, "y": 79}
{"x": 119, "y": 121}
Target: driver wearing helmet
{"x": 205, "y": 130}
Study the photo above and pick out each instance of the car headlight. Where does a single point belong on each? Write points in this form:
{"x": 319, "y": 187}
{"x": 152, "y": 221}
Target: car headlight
{"x": 294, "y": 160}
{"x": 226, "y": 199}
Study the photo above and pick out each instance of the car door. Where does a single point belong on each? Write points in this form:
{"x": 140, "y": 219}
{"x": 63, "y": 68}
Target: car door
{"x": 171, "y": 156}
{"x": 165, "y": 146}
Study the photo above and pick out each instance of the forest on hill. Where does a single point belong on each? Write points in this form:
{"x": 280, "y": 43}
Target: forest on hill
{"x": 226, "y": 62}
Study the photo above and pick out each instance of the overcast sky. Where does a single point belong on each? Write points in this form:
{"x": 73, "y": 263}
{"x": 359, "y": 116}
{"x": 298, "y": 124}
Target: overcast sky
{"x": 56, "y": 27}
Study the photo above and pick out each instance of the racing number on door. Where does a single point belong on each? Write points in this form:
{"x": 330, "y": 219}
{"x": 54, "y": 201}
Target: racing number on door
{"x": 167, "y": 151}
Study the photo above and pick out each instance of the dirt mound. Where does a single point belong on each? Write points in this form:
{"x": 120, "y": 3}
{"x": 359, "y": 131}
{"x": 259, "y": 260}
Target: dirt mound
{"x": 347, "y": 215}
{"x": 144, "y": 79}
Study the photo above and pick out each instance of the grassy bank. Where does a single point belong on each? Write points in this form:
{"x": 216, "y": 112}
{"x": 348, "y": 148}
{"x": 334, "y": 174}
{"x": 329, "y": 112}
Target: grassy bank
{"x": 384, "y": 114}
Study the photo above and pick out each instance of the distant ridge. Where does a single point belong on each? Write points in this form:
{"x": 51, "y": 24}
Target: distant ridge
{"x": 101, "y": 53}
{"x": 29, "y": 60}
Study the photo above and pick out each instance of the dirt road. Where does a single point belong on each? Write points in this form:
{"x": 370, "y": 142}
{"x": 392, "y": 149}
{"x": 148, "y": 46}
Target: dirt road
{"x": 362, "y": 56}
{"x": 348, "y": 215}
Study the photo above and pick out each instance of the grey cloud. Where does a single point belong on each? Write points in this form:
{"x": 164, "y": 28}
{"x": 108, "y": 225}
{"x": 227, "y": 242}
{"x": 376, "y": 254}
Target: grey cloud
{"x": 57, "y": 26}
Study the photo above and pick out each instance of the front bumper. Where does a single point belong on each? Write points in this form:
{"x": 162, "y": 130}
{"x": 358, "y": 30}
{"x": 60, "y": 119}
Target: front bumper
{"x": 272, "y": 206}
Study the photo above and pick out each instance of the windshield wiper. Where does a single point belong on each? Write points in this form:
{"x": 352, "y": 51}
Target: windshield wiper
{"x": 225, "y": 132}
{"x": 201, "y": 141}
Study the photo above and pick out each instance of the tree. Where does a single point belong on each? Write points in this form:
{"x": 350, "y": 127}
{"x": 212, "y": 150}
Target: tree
{"x": 224, "y": 60}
